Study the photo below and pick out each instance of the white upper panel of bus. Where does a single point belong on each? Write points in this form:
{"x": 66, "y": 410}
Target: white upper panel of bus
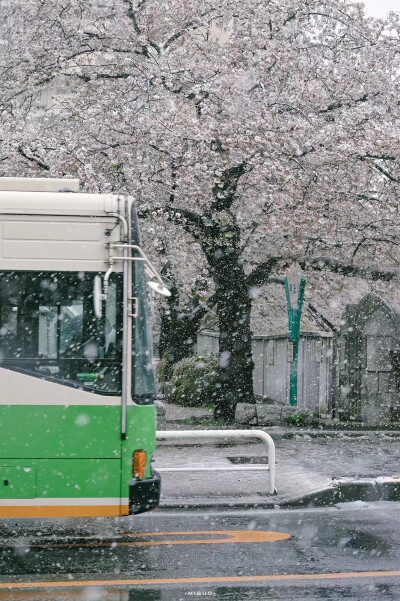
{"x": 59, "y": 203}
{"x": 58, "y": 231}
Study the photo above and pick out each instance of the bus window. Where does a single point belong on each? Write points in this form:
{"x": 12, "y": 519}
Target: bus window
{"x": 48, "y": 329}
{"x": 71, "y": 326}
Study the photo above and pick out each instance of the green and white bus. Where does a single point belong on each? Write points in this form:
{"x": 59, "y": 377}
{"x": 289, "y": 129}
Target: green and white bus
{"x": 77, "y": 413}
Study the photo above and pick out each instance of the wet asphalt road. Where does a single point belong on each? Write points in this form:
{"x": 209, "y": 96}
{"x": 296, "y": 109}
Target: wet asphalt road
{"x": 134, "y": 556}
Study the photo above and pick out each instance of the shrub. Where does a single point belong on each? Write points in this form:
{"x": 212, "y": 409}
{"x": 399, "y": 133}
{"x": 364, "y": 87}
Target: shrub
{"x": 193, "y": 381}
{"x": 302, "y": 420}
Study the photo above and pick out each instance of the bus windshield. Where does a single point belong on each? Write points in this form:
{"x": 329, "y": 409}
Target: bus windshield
{"x": 48, "y": 329}
{"x": 143, "y": 386}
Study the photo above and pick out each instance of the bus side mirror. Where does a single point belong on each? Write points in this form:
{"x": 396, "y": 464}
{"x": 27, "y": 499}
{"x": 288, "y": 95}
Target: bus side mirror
{"x": 98, "y": 297}
{"x": 159, "y": 288}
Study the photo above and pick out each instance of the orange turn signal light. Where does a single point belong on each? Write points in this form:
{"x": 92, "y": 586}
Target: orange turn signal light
{"x": 139, "y": 464}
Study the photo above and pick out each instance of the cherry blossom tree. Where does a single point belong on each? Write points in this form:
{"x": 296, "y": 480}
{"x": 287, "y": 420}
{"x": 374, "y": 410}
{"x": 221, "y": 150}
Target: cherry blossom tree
{"x": 263, "y": 131}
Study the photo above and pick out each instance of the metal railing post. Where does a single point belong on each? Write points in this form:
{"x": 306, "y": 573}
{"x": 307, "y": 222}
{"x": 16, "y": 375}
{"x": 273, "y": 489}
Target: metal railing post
{"x": 179, "y": 434}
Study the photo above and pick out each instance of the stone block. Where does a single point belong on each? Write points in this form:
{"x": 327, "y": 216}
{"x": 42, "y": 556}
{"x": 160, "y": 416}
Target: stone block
{"x": 269, "y": 415}
{"x": 288, "y": 411}
{"x": 246, "y": 413}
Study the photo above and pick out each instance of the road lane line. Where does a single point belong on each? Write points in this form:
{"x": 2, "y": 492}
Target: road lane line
{"x": 232, "y": 536}
{"x": 199, "y": 580}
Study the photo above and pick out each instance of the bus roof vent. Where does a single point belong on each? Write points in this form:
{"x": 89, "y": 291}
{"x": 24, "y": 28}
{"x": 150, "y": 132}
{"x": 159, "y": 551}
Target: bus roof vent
{"x": 38, "y": 184}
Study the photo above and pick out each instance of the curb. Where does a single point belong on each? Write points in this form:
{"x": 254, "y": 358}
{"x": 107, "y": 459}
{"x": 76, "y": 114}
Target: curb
{"x": 348, "y": 490}
{"x": 340, "y": 491}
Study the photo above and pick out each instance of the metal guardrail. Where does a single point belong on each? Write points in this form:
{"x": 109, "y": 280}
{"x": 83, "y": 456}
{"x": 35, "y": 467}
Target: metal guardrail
{"x": 225, "y": 434}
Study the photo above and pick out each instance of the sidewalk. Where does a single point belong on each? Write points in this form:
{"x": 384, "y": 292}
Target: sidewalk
{"x": 307, "y": 462}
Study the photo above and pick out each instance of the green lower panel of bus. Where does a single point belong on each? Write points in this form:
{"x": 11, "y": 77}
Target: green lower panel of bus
{"x": 66, "y": 478}
{"x": 84, "y": 431}
{"x": 71, "y": 460}
{"x": 17, "y": 482}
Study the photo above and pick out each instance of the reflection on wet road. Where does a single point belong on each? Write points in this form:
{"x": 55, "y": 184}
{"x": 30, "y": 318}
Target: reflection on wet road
{"x": 314, "y": 554}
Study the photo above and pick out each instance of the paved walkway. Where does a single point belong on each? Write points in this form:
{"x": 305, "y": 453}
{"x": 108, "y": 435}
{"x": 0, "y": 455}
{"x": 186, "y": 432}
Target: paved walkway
{"x": 306, "y": 462}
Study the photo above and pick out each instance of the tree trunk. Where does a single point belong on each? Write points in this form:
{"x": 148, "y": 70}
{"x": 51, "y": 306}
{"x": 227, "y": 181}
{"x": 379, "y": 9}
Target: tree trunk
{"x": 177, "y": 335}
{"x": 178, "y": 328}
{"x": 233, "y": 308}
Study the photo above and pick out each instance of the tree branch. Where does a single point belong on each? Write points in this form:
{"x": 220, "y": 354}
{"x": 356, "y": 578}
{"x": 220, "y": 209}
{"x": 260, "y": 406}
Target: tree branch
{"x": 316, "y": 314}
{"x": 192, "y": 222}
{"x": 202, "y": 309}
{"x": 191, "y": 25}
{"x": 33, "y": 159}
{"x": 132, "y": 15}
{"x": 224, "y": 190}
{"x": 348, "y": 270}
{"x": 260, "y": 275}
{"x": 386, "y": 173}
{"x": 339, "y": 104}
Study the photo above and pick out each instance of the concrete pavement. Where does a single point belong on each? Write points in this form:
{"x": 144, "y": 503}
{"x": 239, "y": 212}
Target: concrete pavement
{"x": 308, "y": 462}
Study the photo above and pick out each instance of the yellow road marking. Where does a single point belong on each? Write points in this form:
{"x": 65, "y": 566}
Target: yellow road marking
{"x": 231, "y": 536}
{"x": 201, "y": 580}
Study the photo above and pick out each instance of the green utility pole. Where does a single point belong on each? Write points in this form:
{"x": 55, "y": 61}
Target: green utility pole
{"x": 294, "y": 285}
